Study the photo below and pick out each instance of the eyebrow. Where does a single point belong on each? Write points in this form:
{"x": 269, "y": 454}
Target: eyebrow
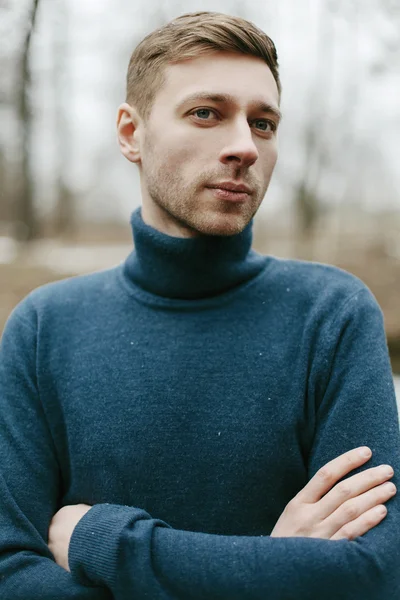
{"x": 227, "y": 98}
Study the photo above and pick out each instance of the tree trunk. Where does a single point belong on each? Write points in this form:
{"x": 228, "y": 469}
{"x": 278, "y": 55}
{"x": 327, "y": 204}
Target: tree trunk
{"x": 64, "y": 211}
{"x": 27, "y": 226}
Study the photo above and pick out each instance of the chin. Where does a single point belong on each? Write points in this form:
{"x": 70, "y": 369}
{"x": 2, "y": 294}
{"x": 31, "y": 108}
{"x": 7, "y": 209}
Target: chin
{"x": 223, "y": 225}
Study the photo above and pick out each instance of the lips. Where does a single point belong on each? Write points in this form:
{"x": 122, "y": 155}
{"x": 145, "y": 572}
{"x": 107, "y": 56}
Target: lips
{"x": 232, "y": 187}
{"x": 227, "y": 194}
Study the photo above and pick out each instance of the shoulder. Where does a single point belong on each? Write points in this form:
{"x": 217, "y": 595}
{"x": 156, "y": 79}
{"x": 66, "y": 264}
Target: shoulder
{"x": 319, "y": 295}
{"x": 65, "y": 297}
{"x": 313, "y": 283}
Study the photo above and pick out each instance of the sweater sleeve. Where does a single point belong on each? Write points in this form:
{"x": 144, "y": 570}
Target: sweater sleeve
{"x": 29, "y": 476}
{"x": 136, "y": 556}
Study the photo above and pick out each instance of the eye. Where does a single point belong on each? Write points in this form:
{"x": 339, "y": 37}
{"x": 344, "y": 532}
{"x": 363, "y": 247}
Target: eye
{"x": 203, "y": 113}
{"x": 265, "y": 125}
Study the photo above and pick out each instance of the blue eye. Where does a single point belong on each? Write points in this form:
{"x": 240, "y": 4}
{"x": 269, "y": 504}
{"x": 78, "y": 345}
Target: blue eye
{"x": 202, "y": 113}
{"x": 265, "y": 125}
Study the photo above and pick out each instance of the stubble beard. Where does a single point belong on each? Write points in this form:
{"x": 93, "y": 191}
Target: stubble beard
{"x": 180, "y": 203}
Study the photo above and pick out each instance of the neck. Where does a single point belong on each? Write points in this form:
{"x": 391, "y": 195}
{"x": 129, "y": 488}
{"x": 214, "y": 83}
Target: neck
{"x": 189, "y": 268}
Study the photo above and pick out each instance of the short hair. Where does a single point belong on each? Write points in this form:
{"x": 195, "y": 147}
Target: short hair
{"x": 188, "y": 37}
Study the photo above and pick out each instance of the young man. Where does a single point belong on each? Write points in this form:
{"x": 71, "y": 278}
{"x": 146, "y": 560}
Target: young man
{"x": 177, "y": 427}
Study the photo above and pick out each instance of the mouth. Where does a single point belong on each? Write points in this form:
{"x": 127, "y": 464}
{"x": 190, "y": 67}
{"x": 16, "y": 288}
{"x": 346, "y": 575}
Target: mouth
{"x": 233, "y": 192}
{"x": 230, "y": 186}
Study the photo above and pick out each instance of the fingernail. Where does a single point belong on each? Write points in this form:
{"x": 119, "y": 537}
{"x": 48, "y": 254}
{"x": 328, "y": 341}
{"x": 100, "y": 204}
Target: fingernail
{"x": 365, "y": 452}
{"x": 388, "y": 471}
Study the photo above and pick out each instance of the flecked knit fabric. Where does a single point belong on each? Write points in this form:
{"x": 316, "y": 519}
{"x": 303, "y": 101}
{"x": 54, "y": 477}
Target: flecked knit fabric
{"x": 188, "y": 395}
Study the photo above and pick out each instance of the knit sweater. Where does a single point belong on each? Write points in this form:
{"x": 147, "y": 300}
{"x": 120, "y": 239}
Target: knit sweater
{"x": 187, "y": 395}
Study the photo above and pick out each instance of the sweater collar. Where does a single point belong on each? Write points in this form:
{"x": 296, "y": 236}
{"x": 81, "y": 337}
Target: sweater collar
{"x": 189, "y": 268}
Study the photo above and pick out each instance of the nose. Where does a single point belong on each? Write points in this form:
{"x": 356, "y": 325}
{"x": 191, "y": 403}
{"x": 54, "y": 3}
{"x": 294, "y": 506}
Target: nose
{"x": 240, "y": 149}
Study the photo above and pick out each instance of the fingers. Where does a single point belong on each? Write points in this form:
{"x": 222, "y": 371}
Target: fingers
{"x": 352, "y": 487}
{"x": 355, "y": 514}
{"x": 332, "y": 472}
{"x": 364, "y": 523}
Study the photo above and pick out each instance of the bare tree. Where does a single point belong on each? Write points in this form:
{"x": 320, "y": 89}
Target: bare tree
{"x": 25, "y": 213}
{"x": 64, "y": 213}
{"x": 316, "y": 157}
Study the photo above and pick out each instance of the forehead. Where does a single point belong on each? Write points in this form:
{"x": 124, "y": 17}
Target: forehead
{"x": 246, "y": 78}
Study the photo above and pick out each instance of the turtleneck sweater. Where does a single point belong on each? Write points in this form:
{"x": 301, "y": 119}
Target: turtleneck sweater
{"x": 188, "y": 395}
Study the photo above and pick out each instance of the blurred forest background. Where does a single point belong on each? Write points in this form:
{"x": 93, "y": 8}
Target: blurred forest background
{"x": 66, "y": 193}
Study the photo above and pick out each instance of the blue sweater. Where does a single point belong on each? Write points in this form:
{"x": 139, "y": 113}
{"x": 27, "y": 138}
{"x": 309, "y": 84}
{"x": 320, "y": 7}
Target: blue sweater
{"x": 189, "y": 394}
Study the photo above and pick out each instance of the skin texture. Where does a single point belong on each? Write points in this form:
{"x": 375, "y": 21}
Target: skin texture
{"x": 185, "y": 146}
{"x": 61, "y": 528}
{"x": 343, "y": 511}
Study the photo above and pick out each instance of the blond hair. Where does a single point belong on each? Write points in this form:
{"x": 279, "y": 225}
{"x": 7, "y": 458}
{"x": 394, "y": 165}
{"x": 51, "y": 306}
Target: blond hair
{"x": 188, "y": 37}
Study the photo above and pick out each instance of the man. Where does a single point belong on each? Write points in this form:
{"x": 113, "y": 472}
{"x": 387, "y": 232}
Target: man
{"x": 177, "y": 427}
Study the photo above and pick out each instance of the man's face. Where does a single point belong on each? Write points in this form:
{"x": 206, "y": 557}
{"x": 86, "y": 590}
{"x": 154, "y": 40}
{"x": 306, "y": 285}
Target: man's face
{"x": 212, "y": 124}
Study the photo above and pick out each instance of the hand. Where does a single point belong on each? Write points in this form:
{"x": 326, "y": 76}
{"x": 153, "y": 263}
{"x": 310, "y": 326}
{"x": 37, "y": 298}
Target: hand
{"x": 349, "y": 510}
{"x": 61, "y": 527}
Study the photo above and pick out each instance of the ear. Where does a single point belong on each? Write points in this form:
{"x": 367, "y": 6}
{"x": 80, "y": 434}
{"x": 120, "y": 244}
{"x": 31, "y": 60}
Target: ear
{"x": 128, "y": 128}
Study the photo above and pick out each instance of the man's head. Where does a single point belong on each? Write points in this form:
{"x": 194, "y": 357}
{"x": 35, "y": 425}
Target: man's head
{"x": 202, "y": 111}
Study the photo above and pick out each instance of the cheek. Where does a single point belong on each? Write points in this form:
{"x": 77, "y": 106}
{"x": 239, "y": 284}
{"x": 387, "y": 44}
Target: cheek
{"x": 181, "y": 159}
{"x": 275, "y": 157}
{"x": 270, "y": 154}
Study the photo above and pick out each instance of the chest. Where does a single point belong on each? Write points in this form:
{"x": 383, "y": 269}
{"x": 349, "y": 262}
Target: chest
{"x": 199, "y": 424}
